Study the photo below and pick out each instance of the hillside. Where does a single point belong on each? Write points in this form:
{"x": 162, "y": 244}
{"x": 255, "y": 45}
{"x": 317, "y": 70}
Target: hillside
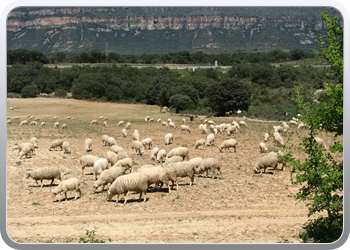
{"x": 162, "y": 30}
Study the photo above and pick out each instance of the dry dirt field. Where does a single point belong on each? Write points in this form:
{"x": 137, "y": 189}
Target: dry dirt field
{"x": 241, "y": 207}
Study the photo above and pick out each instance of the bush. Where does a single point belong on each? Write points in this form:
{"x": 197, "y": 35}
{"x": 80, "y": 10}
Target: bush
{"x": 60, "y": 93}
{"x": 30, "y": 91}
{"x": 179, "y": 101}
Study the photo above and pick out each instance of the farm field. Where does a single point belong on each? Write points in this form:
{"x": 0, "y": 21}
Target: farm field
{"x": 241, "y": 207}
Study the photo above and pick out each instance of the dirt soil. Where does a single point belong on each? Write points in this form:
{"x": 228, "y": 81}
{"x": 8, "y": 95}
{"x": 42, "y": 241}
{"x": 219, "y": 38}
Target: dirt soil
{"x": 241, "y": 207}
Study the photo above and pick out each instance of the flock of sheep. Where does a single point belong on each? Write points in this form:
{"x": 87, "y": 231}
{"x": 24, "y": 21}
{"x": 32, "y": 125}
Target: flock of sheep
{"x": 116, "y": 168}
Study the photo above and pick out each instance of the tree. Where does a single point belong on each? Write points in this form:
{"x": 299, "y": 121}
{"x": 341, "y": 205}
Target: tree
{"x": 30, "y": 91}
{"x": 297, "y": 54}
{"x": 320, "y": 175}
{"x": 179, "y": 101}
{"x": 229, "y": 94}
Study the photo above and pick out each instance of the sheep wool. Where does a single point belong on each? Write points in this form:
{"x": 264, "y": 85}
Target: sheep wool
{"x": 136, "y": 135}
{"x": 128, "y": 125}
{"x": 87, "y": 161}
{"x": 104, "y": 139}
{"x": 184, "y": 169}
{"x": 320, "y": 142}
{"x": 67, "y": 185}
{"x": 207, "y": 164}
{"x": 185, "y": 128}
{"x": 88, "y": 144}
{"x": 66, "y": 147}
{"x": 45, "y": 173}
{"x": 179, "y": 151}
{"x": 138, "y": 146}
{"x": 147, "y": 142}
{"x": 126, "y": 163}
{"x": 263, "y": 148}
{"x": 34, "y": 141}
{"x": 278, "y": 138}
{"x": 200, "y": 142}
{"x": 158, "y": 175}
{"x": 169, "y": 138}
{"x": 154, "y": 153}
{"x": 266, "y": 137}
{"x": 55, "y": 144}
{"x": 108, "y": 176}
{"x": 173, "y": 160}
{"x": 227, "y": 144}
{"x": 161, "y": 155}
{"x": 210, "y": 140}
{"x": 99, "y": 166}
{"x": 56, "y": 125}
{"x": 124, "y": 132}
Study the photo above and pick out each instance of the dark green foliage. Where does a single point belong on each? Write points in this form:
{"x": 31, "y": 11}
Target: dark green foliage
{"x": 30, "y": 91}
{"x": 91, "y": 238}
{"x": 179, "y": 102}
{"x": 60, "y": 93}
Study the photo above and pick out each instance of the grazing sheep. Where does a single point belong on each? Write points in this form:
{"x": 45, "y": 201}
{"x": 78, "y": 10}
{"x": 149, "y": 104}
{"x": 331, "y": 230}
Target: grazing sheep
{"x": 227, "y": 144}
{"x": 111, "y": 157}
{"x": 34, "y": 141}
{"x": 88, "y": 144}
{"x": 22, "y": 145}
{"x": 121, "y": 123}
{"x": 124, "y": 132}
{"x": 185, "y": 128}
{"x": 111, "y": 142}
{"x": 164, "y": 124}
{"x": 64, "y": 126}
{"x": 101, "y": 118}
{"x": 293, "y": 122}
{"x": 26, "y": 150}
{"x": 278, "y": 155}
{"x": 45, "y": 173}
{"x": 108, "y": 176}
{"x": 172, "y": 160}
{"x": 266, "y": 137}
{"x": 196, "y": 161}
{"x": 231, "y": 129}
{"x": 126, "y": 162}
{"x": 131, "y": 182}
{"x": 161, "y": 155}
{"x": 158, "y": 175}
{"x": 87, "y": 161}
{"x": 43, "y": 124}
{"x": 105, "y": 118}
{"x": 203, "y": 128}
{"x": 236, "y": 124}
{"x": 54, "y": 118}
{"x": 209, "y": 163}
{"x": 184, "y": 169}
{"x": 179, "y": 151}
{"x": 154, "y": 153}
{"x": 169, "y": 120}
{"x": 33, "y": 123}
{"x": 200, "y": 142}
{"x": 151, "y": 120}
{"x": 172, "y": 125}
{"x": 128, "y": 125}
{"x": 263, "y": 148}
{"x": 278, "y": 129}
{"x": 8, "y": 121}
{"x": 285, "y": 126}
{"x": 183, "y": 120}
{"x": 104, "y": 139}
{"x": 270, "y": 160}
{"x": 93, "y": 122}
{"x": 147, "y": 118}
{"x": 147, "y": 142}
{"x": 321, "y": 143}
{"x": 65, "y": 186}
{"x": 24, "y": 122}
{"x": 136, "y": 135}
{"x": 116, "y": 149}
{"x": 210, "y": 140}
{"x": 56, "y": 125}
{"x": 104, "y": 123}
{"x": 278, "y": 138}
{"x": 159, "y": 120}
{"x": 138, "y": 146}
{"x": 55, "y": 144}
{"x": 243, "y": 123}
{"x": 68, "y": 117}
{"x": 99, "y": 166}
{"x": 66, "y": 147}
{"x": 301, "y": 126}
{"x": 37, "y": 119}
{"x": 122, "y": 155}
{"x": 169, "y": 138}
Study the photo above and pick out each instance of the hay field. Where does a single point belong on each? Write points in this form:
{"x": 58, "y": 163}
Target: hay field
{"x": 243, "y": 207}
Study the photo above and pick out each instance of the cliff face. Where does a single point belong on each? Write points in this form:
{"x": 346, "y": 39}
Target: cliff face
{"x": 137, "y": 30}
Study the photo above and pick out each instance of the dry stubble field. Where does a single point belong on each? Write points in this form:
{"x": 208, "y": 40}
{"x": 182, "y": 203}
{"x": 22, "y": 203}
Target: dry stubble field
{"x": 243, "y": 207}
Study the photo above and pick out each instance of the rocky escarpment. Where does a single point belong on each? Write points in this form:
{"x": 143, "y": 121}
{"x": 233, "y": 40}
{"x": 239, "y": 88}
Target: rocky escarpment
{"x": 163, "y": 30}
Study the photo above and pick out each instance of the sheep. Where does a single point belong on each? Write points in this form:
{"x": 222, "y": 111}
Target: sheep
{"x": 169, "y": 120}
{"x": 243, "y": 123}
{"x": 8, "y": 121}
{"x": 151, "y": 120}
{"x": 54, "y": 118}
{"x": 108, "y": 176}
{"x": 100, "y": 165}
{"x": 136, "y": 135}
{"x": 68, "y": 118}
{"x": 293, "y": 122}
{"x": 278, "y": 138}
{"x": 66, "y": 147}
{"x": 196, "y": 161}
{"x": 116, "y": 149}
{"x": 158, "y": 175}
{"x": 88, "y": 144}
{"x": 278, "y": 129}
{"x": 231, "y": 129}
{"x": 65, "y": 186}
{"x": 93, "y": 122}
{"x": 172, "y": 125}
{"x": 24, "y": 122}
{"x": 101, "y": 118}
{"x": 169, "y": 138}
{"x": 278, "y": 155}
{"x": 321, "y": 143}
{"x": 210, "y": 140}
{"x": 147, "y": 141}
{"x": 285, "y": 126}
{"x": 183, "y": 169}
{"x": 121, "y": 123}
{"x": 270, "y": 160}
{"x": 147, "y": 118}
{"x": 122, "y": 155}
{"x": 203, "y": 128}
{"x": 56, "y": 125}
{"x": 228, "y": 113}
{"x": 22, "y": 145}
{"x": 172, "y": 160}
{"x": 179, "y": 151}
{"x": 209, "y": 163}
{"x": 185, "y": 128}
{"x": 43, "y": 124}
{"x": 87, "y": 161}
{"x": 26, "y": 150}
{"x": 200, "y": 142}
{"x": 263, "y": 148}
{"x": 126, "y": 162}
{"x": 55, "y": 144}
{"x": 111, "y": 157}
{"x": 227, "y": 144}
{"x": 211, "y": 122}
{"x": 131, "y": 182}
{"x": 301, "y": 125}
{"x": 34, "y": 141}
{"x": 45, "y": 173}
{"x": 183, "y": 120}
{"x": 124, "y": 132}
{"x": 104, "y": 139}
{"x": 266, "y": 137}
{"x": 154, "y": 153}
{"x": 128, "y": 125}
{"x": 138, "y": 146}
{"x": 33, "y": 123}
{"x": 236, "y": 124}
{"x": 64, "y": 126}
{"x": 164, "y": 124}
{"x": 104, "y": 123}
{"x": 161, "y": 155}
{"x": 111, "y": 142}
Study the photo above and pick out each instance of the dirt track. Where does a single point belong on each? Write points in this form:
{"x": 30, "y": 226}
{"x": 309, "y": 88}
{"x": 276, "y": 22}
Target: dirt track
{"x": 240, "y": 208}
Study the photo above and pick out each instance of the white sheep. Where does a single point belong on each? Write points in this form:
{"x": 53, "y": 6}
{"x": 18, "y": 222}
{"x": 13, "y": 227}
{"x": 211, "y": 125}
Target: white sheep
{"x": 88, "y": 144}
{"x": 93, "y": 122}
{"x": 172, "y": 160}
{"x": 64, "y": 126}
{"x": 278, "y": 129}
{"x": 301, "y": 126}
{"x": 22, "y": 145}
{"x": 169, "y": 138}
{"x": 236, "y": 124}
{"x": 209, "y": 164}
{"x": 8, "y": 121}
{"x": 126, "y": 162}
{"x": 124, "y": 132}
{"x": 154, "y": 153}
{"x": 243, "y": 123}
{"x": 185, "y": 128}
{"x": 172, "y": 125}
{"x": 210, "y": 122}
{"x": 320, "y": 142}
{"x": 184, "y": 169}
{"x": 147, "y": 142}
{"x": 108, "y": 176}
{"x": 65, "y": 186}
{"x": 179, "y": 151}
{"x": 210, "y": 140}
{"x": 270, "y": 160}
{"x": 43, "y": 124}
{"x": 104, "y": 123}
{"x": 111, "y": 157}
{"x": 200, "y": 142}
{"x": 151, "y": 120}
{"x": 66, "y": 147}
{"x": 34, "y": 141}
{"x": 159, "y": 120}
{"x": 55, "y": 144}
{"x": 136, "y": 135}
{"x": 131, "y": 182}
{"x": 139, "y": 148}
{"x": 266, "y": 137}
{"x": 231, "y": 129}
{"x": 285, "y": 126}
{"x": 24, "y": 122}
{"x": 196, "y": 161}
{"x": 183, "y": 120}
{"x": 121, "y": 123}
{"x": 158, "y": 175}
{"x": 87, "y": 161}
{"x": 111, "y": 142}
{"x": 33, "y": 123}
{"x": 263, "y": 148}
{"x": 161, "y": 155}
{"x": 104, "y": 139}
{"x": 203, "y": 128}
{"x": 122, "y": 155}
{"x": 54, "y": 118}
{"x": 278, "y": 138}
{"x": 45, "y": 173}
{"x": 116, "y": 149}
{"x": 293, "y": 122}
{"x": 26, "y": 150}
{"x": 68, "y": 117}
{"x": 128, "y": 125}
{"x": 227, "y": 144}
{"x": 56, "y": 125}
{"x": 147, "y": 118}
{"x": 99, "y": 166}
{"x": 101, "y": 118}
{"x": 164, "y": 124}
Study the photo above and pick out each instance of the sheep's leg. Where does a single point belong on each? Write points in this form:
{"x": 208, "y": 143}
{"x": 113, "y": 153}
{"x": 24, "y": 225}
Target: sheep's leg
{"x": 52, "y": 181}
{"x": 145, "y": 196}
{"x": 41, "y": 183}
{"x": 192, "y": 180}
{"x": 125, "y": 197}
{"x": 65, "y": 195}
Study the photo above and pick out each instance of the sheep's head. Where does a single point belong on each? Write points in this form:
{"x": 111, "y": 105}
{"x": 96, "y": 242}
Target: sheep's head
{"x": 54, "y": 193}
{"x": 109, "y": 195}
{"x": 27, "y": 175}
